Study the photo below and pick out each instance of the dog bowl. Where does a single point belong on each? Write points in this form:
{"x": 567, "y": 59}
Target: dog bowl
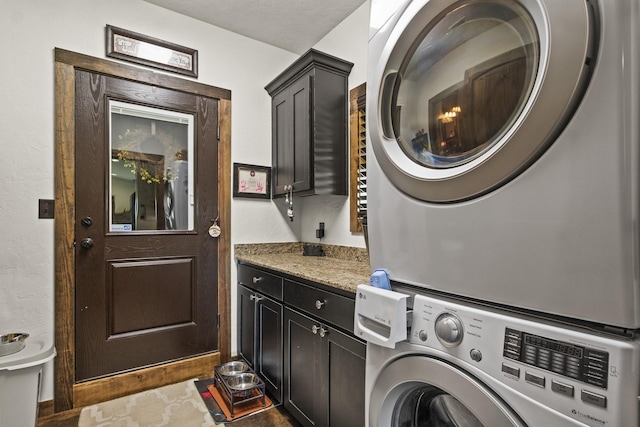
{"x": 12, "y": 343}
{"x": 233, "y": 368}
{"x": 243, "y": 384}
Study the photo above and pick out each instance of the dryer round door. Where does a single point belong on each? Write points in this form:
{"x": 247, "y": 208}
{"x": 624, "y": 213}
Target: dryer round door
{"x": 420, "y": 391}
{"x": 468, "y": 93}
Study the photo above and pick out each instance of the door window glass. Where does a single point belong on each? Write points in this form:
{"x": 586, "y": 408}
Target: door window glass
{"x": 151, "y": 169}
{"x": 462, "y": 87}
{"x": 428, "y": 406}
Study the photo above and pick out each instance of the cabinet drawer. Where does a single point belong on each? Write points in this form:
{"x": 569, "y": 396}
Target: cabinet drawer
{"x": 329, "y": 307}
{"x": 260, "y": 281}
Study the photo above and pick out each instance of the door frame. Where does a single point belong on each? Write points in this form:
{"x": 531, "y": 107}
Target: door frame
{"x": 68, "y": 394}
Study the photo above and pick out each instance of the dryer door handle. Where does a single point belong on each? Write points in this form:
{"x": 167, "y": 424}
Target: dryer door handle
{"x": 389, "y": 96}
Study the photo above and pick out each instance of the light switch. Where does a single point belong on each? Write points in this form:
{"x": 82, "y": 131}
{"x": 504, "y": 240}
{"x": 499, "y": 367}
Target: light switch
{"x": 46, "y": 208}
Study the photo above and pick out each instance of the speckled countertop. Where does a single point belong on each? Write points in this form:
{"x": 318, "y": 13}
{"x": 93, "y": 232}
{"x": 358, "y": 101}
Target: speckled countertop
{"x": 343, "y": 267}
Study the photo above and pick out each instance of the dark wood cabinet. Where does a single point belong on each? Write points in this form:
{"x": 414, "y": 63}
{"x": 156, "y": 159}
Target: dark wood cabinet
{"x": 297, "y": 337}
{"x": 309, "y": 126}
{"x": 260, "y": 327}
{"x": 324, "y": 365}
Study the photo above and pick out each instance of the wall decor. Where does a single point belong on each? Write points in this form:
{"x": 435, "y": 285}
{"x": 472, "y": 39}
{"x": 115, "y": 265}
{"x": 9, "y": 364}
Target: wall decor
{"x": 152, "y": 52}
{"x": 251, "y": 181}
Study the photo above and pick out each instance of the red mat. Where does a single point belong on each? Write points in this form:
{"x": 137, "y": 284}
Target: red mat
{"x": 241, "y": 408}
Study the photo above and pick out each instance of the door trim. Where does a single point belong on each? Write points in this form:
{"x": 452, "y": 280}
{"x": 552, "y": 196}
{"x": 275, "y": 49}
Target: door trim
{"x": 68, "y": 394}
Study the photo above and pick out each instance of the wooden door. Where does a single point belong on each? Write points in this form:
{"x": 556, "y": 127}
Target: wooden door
{"x": 144, "y": 294}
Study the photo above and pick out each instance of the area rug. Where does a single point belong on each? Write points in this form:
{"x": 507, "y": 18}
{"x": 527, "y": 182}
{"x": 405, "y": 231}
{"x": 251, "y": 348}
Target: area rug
{"x": 173, "y": 405}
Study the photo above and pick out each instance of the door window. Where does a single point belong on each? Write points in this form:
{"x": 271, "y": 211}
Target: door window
{"x": 465, "y": 83}
{"x": 151, "y": 185}
{"x": 428, "y": 406}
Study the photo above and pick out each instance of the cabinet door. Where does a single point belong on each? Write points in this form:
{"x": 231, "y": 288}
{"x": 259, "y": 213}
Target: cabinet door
{"x": 344, "y": 361}
{"x": 302, "y": 381}
{"x": 291, "y": 137}
{"x": 269, "y": 341}
{"x": 246, "y": 325}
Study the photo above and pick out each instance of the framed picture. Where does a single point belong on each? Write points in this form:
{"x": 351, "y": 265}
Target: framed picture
{"x": 251, "y": 181}
{"x": 152, "y": 52}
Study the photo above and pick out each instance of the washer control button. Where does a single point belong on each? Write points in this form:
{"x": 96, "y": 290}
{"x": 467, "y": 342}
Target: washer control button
{"x": 511, "y": 370}
{"x": 422, "y": 335}
{"x": 534, "y": 379}
{"x": 593, "y": 398}
{"x": 475, "y": 354}
{"x": 449, "y": 329}
{"x": 562, "y": 388}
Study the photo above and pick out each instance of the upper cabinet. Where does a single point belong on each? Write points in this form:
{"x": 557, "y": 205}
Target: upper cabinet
{"x": 309, "y": 126}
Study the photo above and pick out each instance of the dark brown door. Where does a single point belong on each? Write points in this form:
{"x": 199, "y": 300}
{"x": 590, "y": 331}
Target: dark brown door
{"x": 146, "y": 264}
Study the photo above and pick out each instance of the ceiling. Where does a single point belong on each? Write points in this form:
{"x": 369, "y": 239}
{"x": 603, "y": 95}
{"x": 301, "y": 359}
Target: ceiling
{"x": 293, "y": 25}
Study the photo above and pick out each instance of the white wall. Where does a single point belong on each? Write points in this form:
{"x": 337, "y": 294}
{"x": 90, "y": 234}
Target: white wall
{"x": 30, "y": 30}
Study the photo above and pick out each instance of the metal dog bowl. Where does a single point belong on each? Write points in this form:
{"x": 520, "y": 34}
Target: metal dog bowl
{"x": 12, "y": 343}
{"x": 243, "y": 384}
{"x": 233, "y": 368}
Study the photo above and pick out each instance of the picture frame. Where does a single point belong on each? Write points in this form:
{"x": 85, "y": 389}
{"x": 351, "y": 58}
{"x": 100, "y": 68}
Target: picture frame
{"x": 150, "y": 51}
{"x": 251, "y": 181}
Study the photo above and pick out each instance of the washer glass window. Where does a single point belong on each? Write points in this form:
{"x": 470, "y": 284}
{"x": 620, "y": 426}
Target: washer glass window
{"x": 428, "y": 406}
{"x": 465, "y": 82}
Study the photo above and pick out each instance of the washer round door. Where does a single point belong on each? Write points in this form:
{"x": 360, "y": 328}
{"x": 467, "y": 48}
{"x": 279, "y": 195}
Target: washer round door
{"x": 420, "y": 391}
{"x": 471, "y": 92}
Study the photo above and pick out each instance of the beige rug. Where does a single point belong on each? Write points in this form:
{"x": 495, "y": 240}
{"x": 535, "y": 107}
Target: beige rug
{"x": 173, "y": 405}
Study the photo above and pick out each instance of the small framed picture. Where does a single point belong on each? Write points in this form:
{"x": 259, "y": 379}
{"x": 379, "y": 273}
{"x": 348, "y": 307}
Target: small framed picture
{"x": 152, "y": 52}
{"x": 251, "y": 181}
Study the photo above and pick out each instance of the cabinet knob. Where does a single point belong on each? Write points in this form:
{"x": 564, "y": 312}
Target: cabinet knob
{"x": 320, "y": 304}
{"x": 319, "y": 330}
{"x": 256, "y": 279}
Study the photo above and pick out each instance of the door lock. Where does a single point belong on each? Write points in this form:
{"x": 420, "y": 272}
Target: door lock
{"x": 87, "y": 243}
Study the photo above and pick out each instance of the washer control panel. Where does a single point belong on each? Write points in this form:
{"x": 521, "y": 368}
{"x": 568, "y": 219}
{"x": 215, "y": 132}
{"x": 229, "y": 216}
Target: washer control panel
{"x": 574, "y": 361}
{"x": 585, "y": 375}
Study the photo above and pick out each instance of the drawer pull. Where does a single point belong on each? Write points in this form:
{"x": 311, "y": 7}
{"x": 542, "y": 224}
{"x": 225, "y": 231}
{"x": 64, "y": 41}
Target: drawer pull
{"x": 315, "y": 329}
{"x": 323, "y": 332}
{"x": 320, "y": 304}
{"x": 256, "y": 297}
{"x": 257, "y": 279}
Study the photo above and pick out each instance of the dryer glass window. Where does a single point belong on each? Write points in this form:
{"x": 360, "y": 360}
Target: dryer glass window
{"x": 465, "y": 82}
{"x": 428, "y": 406}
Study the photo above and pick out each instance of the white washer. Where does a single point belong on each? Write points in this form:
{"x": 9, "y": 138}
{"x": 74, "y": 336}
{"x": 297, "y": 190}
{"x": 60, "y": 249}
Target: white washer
{"x": 466, "y": 365}
{"x": 503, "y": 152}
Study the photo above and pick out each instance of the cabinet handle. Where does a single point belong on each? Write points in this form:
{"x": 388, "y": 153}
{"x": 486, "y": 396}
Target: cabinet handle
{"x": 255, "y": 297}
{"x": 257, "y": 279}
{"x": 320, "y": 304}
{"x": 319, "y": 330}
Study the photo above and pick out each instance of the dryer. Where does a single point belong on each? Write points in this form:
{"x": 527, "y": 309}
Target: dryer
{"x": 502, "y": 144}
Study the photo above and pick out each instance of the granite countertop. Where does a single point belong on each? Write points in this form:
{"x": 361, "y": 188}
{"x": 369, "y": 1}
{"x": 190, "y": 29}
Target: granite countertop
{"x": 343, "y": 267}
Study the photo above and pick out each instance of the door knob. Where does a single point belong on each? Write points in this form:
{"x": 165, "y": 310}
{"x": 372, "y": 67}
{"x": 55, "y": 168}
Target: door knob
{"x": 87, "y": 243}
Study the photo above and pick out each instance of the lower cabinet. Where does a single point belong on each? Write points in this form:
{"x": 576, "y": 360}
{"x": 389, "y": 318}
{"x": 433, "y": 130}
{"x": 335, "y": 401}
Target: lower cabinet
{"x": 260, "y": 337}
{"x": 323, "y": 373}
{"x": 296, "y": 337}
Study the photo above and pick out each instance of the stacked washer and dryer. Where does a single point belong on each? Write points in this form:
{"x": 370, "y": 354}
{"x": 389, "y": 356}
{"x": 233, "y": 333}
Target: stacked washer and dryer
{"x": 503, "y": 172}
